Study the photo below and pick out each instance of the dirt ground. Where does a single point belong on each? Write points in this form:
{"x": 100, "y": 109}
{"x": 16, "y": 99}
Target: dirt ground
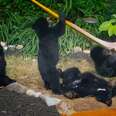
{"x": 25, "y": 71}
{"x": 14, "y": 104}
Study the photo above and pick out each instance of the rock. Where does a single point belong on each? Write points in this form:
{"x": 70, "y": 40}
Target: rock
{"x": 5, "y": 48}
{"x": 11, "y": 46}
{"x": 19, "y": 47}
{"x": 4, "y": 45}
{"x": 86, "y": 51}
{"x": 76, "y": 49}
{"x": 17, "y": 87}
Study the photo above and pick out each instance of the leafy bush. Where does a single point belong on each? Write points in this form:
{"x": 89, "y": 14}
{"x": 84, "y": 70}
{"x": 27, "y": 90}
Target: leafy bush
{"x": 109, "y": 26}
{"x": 17, "y": 16}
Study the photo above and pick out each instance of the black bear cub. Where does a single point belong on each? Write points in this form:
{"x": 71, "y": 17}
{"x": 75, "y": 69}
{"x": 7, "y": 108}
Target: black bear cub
{"x": 48, "y": 55}
{"x": 79, "y": 84}
{"x": 105, "y": 61}
{"x": 4, "y": 79}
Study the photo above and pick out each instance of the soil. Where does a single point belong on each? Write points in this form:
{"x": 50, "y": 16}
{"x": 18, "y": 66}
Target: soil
{"x": 14, "y": 104}
{"x": 25, "y": 71}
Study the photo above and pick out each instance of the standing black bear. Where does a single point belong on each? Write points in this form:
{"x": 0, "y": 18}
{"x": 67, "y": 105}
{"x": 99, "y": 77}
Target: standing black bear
{"x": 48, "y": 52}
{"x": 105, "y": 61}
{"x": 86, "y": 84}
{"x": 4, "y": 79}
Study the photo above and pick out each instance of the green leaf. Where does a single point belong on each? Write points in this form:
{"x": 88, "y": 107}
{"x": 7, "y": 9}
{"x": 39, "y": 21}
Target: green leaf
{"x": 113, "y": 20}
{"x": 112, "y": 30}
{"x": 105, "y": 26}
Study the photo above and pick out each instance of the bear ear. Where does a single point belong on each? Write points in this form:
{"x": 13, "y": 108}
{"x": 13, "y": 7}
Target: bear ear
{"x": 107, "y": 52}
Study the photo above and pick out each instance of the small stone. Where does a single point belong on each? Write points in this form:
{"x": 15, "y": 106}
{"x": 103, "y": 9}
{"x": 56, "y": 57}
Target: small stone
{"x": 11, "y": 47}
{"x": 5, "y": 48}
{"x": 17, "y": 87}
{"x": 3, "y": 43}
{"x": 77, "y": 49}
{"x": 31, "y": 92}
{"x": 86, "y": 51}
{"x": 19, "y": 47}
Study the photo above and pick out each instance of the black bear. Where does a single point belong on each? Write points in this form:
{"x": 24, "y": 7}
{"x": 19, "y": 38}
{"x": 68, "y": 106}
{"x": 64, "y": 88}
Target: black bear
{"x": 105, "y": 61}
{"x": 70, "y": 75}
{"x": 48, "y": 55}
{"x": 87, "y": 84}
{"x": 4, "y": 79}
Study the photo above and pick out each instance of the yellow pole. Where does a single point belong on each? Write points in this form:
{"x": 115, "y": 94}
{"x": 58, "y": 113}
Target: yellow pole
{"x": 109, "y": 45}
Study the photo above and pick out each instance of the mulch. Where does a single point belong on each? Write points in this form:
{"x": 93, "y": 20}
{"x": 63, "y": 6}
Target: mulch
{"x": 14, "y": 104}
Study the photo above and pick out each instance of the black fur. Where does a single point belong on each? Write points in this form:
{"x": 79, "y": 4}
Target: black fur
{"x": 105, "y": 61}
{"x": 4, "y": 80}
{"x": 87, "y": 84}
{"x": 48, "y": 51}
{"x": 2, "y": 62}
{"x": 70, "y": 75}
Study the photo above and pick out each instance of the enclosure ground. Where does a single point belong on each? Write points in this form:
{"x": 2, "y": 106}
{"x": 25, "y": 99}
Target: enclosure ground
{"x": 25, "y": 71}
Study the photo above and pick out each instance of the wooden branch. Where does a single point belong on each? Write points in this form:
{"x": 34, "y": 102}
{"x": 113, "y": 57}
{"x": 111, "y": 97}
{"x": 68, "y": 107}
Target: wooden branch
{"x": 108, "y": 45}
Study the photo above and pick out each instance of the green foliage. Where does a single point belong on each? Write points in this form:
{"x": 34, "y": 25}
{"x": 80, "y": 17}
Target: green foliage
{"x": 17, "y": 30}
{"x": 17, "y": 16}
{"x": 90, "y": 7}
{"x": 70, "y": 40}
{"x": 109, "y": 26}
